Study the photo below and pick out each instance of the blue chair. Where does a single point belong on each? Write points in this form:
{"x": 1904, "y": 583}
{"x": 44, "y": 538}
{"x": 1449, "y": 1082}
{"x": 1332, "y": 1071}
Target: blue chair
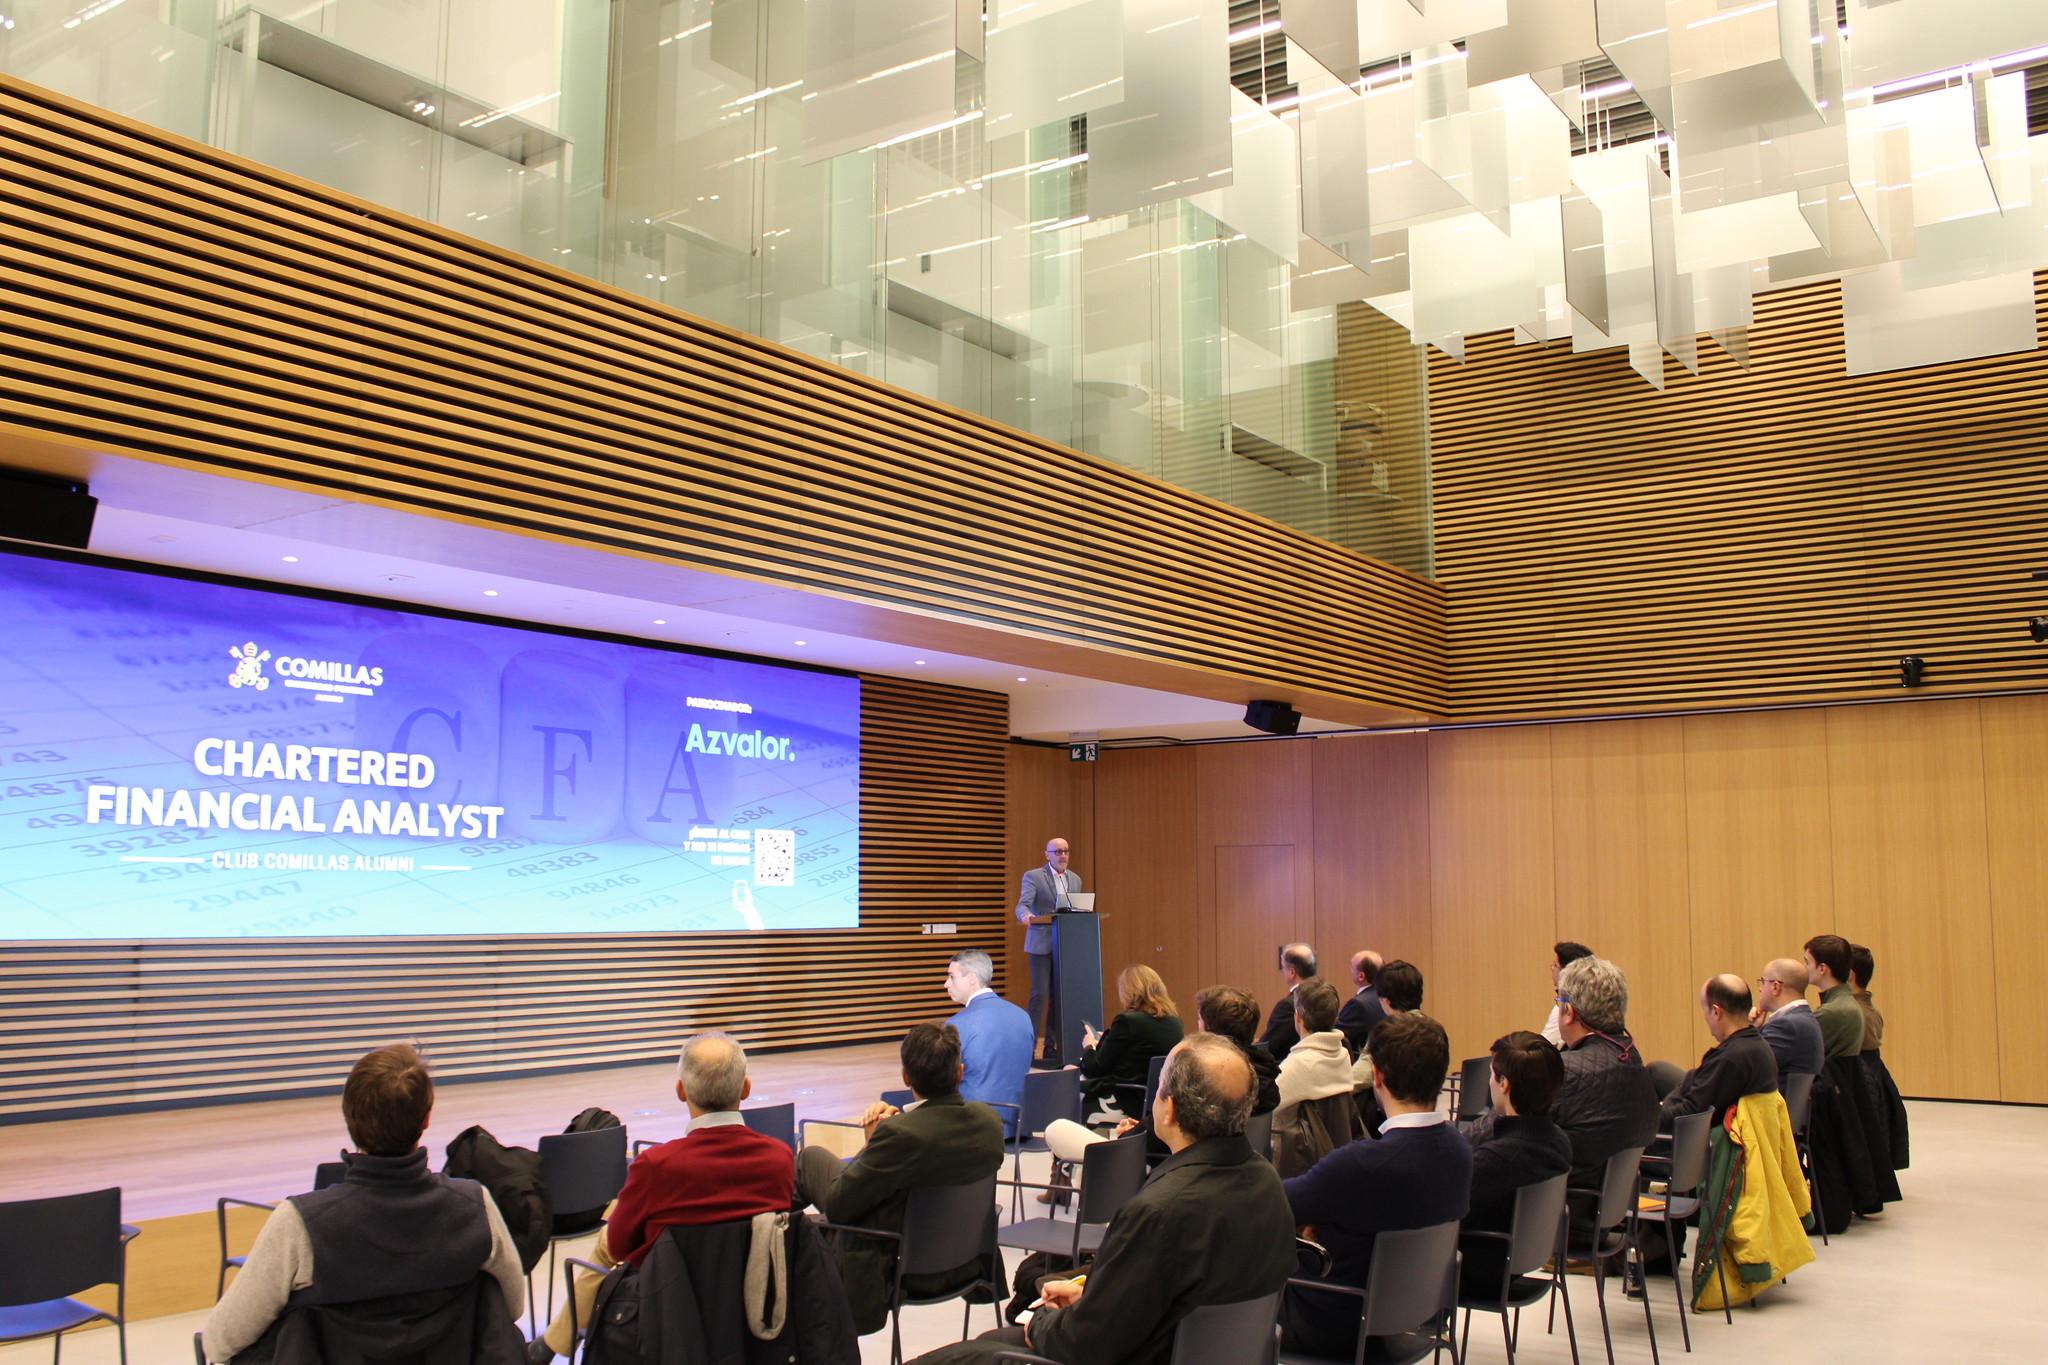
{"x": 325, "y": 1174}
{"x": 51, "y": 1249}
{"x": 773, "y": 1120}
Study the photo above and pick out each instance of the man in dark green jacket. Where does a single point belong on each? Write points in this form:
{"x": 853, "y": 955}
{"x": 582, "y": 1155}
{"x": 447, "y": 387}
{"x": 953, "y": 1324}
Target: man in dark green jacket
{"x": 940, "y": 1140}
{"x": 1211, "y": 1226}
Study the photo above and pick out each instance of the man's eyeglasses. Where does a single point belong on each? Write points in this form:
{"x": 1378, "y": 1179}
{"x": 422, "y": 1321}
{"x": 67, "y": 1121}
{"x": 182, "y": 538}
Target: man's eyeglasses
{"x": 1564, "y": 1000}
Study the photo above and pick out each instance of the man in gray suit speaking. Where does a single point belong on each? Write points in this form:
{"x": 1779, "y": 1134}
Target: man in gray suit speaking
{"x": 1045, "y": 890}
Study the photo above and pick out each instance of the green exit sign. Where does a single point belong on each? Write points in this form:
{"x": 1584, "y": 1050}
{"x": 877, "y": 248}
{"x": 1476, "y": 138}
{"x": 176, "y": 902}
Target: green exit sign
{"x": 1081, "y": 753}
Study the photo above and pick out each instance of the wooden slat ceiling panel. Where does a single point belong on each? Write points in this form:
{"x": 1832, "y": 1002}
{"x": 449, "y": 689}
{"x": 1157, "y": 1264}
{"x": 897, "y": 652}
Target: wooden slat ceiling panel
{"x": 86, "y": 1027}
{"x": 1782, "y": 535}
{"x": 175, "y": 303}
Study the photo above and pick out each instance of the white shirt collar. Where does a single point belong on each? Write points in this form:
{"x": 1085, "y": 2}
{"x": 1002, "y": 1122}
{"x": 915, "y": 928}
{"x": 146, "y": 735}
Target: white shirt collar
{"x": 977, "y": 995}
{"x": 718, "y": 1118}
{"x": 1428, "y": 1119}
{"x": 1799, "y": 1004}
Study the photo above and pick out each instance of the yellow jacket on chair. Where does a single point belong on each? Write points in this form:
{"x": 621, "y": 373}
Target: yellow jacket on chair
{"x": 1754, "y": 1205}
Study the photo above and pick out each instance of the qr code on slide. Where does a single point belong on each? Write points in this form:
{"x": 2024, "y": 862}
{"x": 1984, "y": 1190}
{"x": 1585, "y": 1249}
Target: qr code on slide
{"x": 775, "y": 857}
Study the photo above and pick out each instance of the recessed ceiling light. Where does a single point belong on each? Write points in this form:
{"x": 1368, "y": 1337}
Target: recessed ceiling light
{"x": 920, "y": 663}
{"x": 1022, "y": 678}
{"x": 659, "y": 621}
{"x": 802, "y": 642}
{"x": 291, "y": 559}
{"x": 490, "y": 592}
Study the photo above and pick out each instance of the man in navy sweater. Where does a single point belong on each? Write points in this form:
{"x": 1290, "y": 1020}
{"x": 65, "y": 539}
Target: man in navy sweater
{"x": 1417, "y": 1174}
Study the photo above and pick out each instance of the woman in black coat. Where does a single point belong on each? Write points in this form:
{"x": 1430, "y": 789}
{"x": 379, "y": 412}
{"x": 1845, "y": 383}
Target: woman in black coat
{"x": 1148, "y": 1027}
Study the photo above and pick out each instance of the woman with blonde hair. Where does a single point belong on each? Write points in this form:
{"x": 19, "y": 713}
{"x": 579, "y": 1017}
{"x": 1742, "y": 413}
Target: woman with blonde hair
{"x": 1147, "y": 1027}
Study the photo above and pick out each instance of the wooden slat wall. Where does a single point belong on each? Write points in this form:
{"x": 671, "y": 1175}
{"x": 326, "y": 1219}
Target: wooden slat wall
{"x": 105, "y": 1026}
{"x": 170, "y": 302}
{"x": 1782, "y": 535}
{"x": 1677, "y": 846}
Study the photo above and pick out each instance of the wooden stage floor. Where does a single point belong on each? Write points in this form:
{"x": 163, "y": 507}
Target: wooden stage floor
{"x": 179, "y": 1161}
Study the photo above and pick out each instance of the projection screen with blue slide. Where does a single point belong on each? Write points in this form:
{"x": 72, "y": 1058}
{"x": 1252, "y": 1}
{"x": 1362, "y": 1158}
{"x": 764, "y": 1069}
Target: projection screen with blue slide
{"x": 185, "y": 758}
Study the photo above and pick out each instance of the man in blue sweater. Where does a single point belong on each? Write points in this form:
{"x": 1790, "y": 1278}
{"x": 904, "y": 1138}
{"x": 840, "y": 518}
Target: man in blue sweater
{"x": 1418, "y": 1173}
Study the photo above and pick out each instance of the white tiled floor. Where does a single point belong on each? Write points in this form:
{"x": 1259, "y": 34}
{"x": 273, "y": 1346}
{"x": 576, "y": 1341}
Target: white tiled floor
{"x": 1948, "y": 1274}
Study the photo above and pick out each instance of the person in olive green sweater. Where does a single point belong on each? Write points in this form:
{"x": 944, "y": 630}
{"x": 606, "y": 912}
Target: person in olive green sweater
{"x": 940, "y": 1140}
{"x": 1841, "y": 1018}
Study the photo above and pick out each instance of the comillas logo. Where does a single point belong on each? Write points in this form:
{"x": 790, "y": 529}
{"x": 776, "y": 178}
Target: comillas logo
{"x": 248, "y": 667}
{"x": 328, "y": 679}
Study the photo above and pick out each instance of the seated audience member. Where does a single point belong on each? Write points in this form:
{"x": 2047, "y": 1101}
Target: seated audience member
{"x": 1740, "y": 1062}
{"x": 1607, "y": 1102}
{"x": 1562, "y": 955}
{"x": 996, "y": 1038}
{"x": 1881, "y": 1091}
{"x": 1234, "y": 1014}
{"x": 1416, "y": 1174}
{"x": 1210, "y": 1226}
{"x": 1297, "y": 964}
{"x": 1862, "y": 963}
{"x": 942, "y": 1140}
{"x": 1318, "y": 1065}
{"x": 1363, "y": 1009}
{"x": 1147, "y": 1027}
{"x": 1400, "y": 985}
{"x": 1786, "y": 1021}
{"x": 1520, "y": 1147}
{"x": 719, "y": 1171}
{"x": 1851, "y": 1163}
{"x": 390, "y": 1230}
{"x": 1224, "y": 1011}
{"x": 1841, "y": 1020}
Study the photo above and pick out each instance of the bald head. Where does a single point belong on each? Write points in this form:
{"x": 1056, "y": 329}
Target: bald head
{"x": 1724, "y": 1004}
{"x": 1365, "y": 965}
{"x": 712, "y": 1074}
{"x": 1792, "y": 972}
{"x": 1205, "y": 1091}
{"x": 1297, "y": 962}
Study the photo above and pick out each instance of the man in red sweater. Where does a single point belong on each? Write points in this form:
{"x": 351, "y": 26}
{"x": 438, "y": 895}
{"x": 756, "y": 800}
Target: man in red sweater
{"x": 719, "y": 1172}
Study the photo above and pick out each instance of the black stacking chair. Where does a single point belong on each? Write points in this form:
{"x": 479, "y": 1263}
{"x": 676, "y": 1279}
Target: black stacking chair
{"x": 1258, "y": 1131}
{"x": 1684, "y": 1169}
{"x": 944, "y": 1226}
{"x": 1220, "y": 1334}
{"x": 1111, "y": 1173}
{"x": 583, "y": 1172}
{"x": 52, "y": 1249}
{"x": 1408, "y": 1308}
{"x": 1612, "y": 1215}
{"x": 1798, "y": 1091}
{"x": 1474, "y": 1095}
{"x": 1535, "y": 1235}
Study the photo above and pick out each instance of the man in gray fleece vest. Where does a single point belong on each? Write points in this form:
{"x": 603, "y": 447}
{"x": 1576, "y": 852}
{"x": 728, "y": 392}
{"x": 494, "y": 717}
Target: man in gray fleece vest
{"x": 390, "y": 1228}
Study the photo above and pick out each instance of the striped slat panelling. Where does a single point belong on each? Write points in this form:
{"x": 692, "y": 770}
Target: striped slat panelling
{"x": 171, "y": 302}
{"x": 84, "y": 1028}
{"x": 1784, "y": 535}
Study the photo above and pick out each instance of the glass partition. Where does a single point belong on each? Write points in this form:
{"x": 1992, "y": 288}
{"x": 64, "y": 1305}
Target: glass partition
{"x": 899, "y": 188}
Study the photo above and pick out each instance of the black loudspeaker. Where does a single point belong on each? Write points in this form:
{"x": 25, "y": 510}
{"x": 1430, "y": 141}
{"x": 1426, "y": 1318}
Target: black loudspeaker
{"x": 45, "y": 510}
{"x": 1274, "y": 717}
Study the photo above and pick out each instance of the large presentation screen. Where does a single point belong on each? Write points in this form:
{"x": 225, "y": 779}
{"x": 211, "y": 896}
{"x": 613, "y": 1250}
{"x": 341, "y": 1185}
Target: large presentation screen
{"x": 182, "y": 758}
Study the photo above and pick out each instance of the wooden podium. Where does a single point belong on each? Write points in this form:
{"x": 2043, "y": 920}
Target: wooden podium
{"x": 1076, "y": 984}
